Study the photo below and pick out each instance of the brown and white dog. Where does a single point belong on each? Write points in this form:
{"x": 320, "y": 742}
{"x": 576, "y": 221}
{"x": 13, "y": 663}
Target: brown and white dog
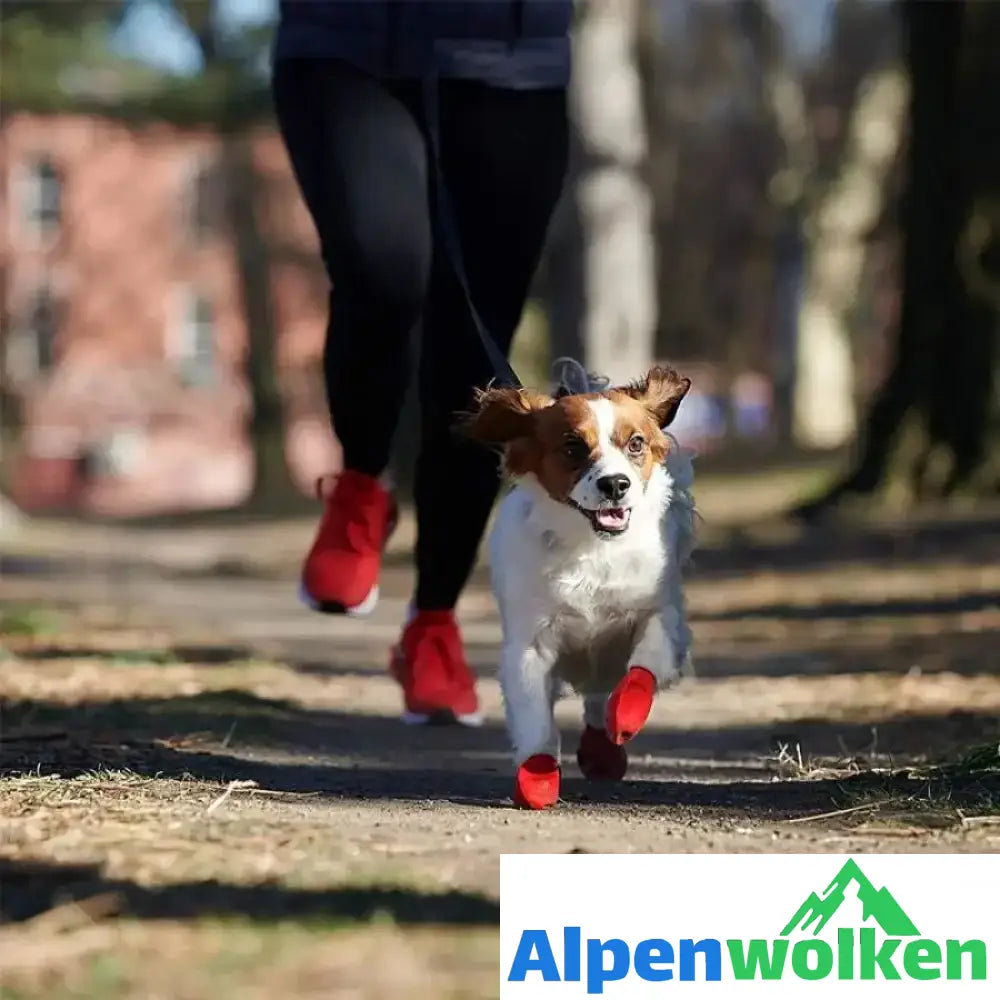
{"x": 586, "y": 556}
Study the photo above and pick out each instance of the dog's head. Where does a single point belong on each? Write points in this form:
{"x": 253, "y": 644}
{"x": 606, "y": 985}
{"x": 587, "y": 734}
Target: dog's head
{"x": 595, "y": 452}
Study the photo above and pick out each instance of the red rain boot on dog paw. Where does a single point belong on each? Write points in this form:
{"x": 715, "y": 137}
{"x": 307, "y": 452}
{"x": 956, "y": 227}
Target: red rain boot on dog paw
{"x": 536, "y": 784}
{"x": 630, "y": 704}
{"x": 599, "y": 758}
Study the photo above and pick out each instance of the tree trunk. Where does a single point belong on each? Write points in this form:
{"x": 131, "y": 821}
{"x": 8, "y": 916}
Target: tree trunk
{"x": 272, "y": 484}
{"x": 836, "y": 230}
{"x": 602, "y": 265}
{"x": 930, "y": 428}
{"x": 782, "y": 95}
{"x": 820, "y": 237}
{"x": 272, "y": 487}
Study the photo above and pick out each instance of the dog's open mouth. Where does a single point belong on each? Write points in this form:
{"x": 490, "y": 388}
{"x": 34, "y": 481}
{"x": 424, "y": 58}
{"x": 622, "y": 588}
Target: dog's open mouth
{"x": 607, "y": 520}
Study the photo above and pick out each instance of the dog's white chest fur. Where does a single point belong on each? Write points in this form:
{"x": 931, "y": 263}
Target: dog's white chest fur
{"x": 584, "y": 603}
{"x": 607, "y": 580}
{"x": 600, "y": 606}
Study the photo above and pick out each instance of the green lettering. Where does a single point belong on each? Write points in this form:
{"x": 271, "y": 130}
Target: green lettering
{"x": 921, "y": 958}
{"x": 870, "y": 958}
{"x": 975, "y": 949}
{"x": 845, "y": 953}
{"x": 819, "y": 969}
{"x": 758, "y": 956}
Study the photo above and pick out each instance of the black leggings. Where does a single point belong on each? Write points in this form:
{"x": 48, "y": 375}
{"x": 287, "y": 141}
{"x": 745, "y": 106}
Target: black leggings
{"x": 361, "y": 158}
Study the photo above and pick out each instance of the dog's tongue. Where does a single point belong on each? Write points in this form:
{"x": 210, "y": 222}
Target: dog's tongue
{"x": 613, "y": 518}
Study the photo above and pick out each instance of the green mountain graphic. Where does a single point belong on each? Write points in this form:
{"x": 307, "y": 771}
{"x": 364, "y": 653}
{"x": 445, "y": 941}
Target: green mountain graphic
{"x": 877, "y": 904}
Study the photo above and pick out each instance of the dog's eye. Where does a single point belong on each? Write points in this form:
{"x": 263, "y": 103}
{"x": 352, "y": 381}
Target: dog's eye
{"x": 636, "y": 444}
{"x": 575, "y": 449}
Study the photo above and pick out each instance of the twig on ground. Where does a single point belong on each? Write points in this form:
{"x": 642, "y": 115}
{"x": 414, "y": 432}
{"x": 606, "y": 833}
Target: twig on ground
{"x": 280, "y": 793}
{"x": 233, "y": 786}
{"x": 977, "y": 820}
{"x": 843, "y": 812}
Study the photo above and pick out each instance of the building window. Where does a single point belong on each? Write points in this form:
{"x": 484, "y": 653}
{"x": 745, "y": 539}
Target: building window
{"x": 31, "y": 351}
{"x": 40, "y": 198}
{"x": 203, "y": 200}
{"x": 194, "y": 341}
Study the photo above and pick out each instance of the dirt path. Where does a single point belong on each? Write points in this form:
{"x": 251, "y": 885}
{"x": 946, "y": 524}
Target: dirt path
{"x": 829, "y": 676}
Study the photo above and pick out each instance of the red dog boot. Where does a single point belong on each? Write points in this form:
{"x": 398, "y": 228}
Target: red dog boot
{"x": 536, "y": 785}
{"x": 599, "y": 758}
{"x": 630, "y": 704}
{"x": 429, "y": 664}
{"x": 340, "y": 575}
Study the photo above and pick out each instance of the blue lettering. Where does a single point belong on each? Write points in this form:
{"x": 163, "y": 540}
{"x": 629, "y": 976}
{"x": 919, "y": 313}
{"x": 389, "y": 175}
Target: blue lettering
{"x": 545, "y": 963}
{"x": 597, "y": 974}
{"x": 571, "y": 954}
{"x": 654, "y": 951}
{"x": 711, "y": 949}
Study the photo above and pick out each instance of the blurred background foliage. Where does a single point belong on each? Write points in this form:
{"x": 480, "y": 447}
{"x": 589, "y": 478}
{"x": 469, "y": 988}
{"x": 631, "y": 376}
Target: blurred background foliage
{"x": 796, "y": 200}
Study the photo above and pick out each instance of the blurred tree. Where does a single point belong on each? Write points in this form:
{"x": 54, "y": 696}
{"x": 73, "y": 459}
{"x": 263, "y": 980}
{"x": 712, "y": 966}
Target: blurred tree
{"x": 57, "y": 56}
{"x": 933, "y": 430}
{"x": 233, "y": 65}
{"x": 755, "y": 142}
{"x": 825, "y": 212}
{"x": 61, "y": 14}
{"x": 601, "y": 268}
{"x": 201, "y": 17}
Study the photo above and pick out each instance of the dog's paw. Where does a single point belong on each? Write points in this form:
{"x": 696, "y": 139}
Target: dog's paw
{"x": 630, "y": 704}
{"x": 599, "y": 758}
{"x": 536, "y": 785}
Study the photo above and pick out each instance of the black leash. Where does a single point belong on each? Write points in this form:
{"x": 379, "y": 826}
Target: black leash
{"x": 504, "y": 373}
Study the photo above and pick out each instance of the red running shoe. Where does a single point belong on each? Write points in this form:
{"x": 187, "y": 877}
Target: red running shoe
{"x": 429, "y": 663}
{"x": 340, "y": 575}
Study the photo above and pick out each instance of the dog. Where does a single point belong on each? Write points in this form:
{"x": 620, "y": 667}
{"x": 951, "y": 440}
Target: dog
{"x": 586, "y": 552}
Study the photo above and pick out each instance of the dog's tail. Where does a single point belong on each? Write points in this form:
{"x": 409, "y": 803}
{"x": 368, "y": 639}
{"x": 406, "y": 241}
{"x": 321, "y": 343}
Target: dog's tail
{"x": 683, "y": 511}
{"x": 682, "y": 520}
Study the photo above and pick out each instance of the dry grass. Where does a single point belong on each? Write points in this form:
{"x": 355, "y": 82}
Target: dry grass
{"x": 962, "y": 792}
{"x": 241, "y": 960}
{"x": 124, "y": 885}
{"x": 182, "y": 818}
{"x": 117, "y": 883}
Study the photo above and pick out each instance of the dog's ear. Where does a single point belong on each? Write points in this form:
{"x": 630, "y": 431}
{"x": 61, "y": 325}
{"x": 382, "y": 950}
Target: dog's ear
{"x": 503, "y": 415}
{"x": 661, "y": 392}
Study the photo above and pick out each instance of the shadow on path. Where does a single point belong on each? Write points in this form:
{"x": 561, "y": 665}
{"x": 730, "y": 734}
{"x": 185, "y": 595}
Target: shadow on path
{"x": 340, "y": 755}
{"x": 28, "y": 888}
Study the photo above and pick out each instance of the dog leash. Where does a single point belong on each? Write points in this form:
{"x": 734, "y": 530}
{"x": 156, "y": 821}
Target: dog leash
{"x": 502, "y": 370}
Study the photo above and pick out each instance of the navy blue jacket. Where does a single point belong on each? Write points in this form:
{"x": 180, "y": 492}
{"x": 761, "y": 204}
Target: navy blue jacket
{"x": 519, "y": 44}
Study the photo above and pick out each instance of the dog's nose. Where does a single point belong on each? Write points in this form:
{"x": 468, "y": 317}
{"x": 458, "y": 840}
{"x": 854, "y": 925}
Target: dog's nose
{"x": 614, "y": 487}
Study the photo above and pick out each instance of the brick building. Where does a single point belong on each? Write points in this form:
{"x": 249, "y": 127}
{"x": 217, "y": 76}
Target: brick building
{"x": 126, "y": 330}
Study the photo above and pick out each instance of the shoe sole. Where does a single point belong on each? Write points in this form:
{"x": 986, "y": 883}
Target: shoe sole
{"x": 365, "y": 608}
{"x": 439, "y": 716}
